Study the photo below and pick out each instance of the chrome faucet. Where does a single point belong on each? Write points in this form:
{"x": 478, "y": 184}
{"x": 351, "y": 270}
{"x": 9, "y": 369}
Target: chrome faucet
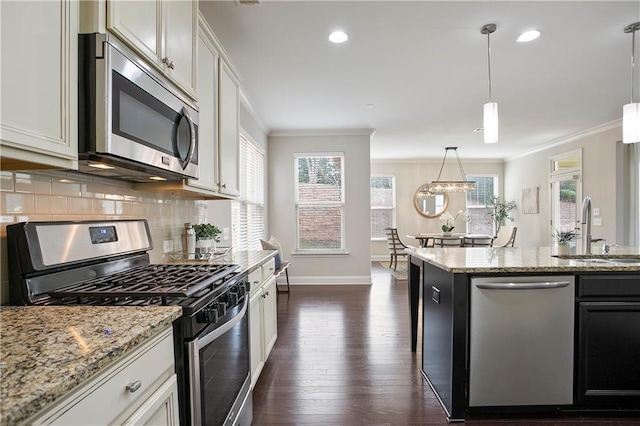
{"x": 586, "y": 219}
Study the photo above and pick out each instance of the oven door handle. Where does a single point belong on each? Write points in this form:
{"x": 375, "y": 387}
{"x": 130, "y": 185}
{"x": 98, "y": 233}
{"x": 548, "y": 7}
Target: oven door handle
{"x": 200, "y": 343}
{"x": 193, "y": 351}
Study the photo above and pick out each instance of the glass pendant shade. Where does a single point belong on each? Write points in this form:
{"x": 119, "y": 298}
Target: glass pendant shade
{"x": 491, "y": 122}
{"x": 631, "y": 123}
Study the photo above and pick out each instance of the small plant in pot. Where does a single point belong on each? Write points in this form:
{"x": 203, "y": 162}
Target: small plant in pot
{"x": 565, "y": 240}
{"x": 207, "y": 235}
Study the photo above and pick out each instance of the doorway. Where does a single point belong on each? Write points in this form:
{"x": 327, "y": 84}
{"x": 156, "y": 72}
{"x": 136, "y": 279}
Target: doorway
{"x": 566, "y": 191}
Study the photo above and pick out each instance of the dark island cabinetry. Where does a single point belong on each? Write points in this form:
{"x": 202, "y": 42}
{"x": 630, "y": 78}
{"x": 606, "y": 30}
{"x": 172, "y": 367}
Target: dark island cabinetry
{"x": 608, "y": 341}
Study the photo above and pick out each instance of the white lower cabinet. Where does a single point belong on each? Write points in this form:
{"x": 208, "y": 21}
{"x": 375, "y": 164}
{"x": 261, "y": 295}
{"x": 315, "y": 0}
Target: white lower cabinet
{"x": 139, "y": 389}
{"x": 263, "y": 326}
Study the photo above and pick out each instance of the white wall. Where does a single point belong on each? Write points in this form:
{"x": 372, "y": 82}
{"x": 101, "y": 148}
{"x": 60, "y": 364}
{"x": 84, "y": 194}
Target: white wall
{"x": 353, "y": 268}
{"x": 410, "y": 175}
{"x": 599, "y": 183}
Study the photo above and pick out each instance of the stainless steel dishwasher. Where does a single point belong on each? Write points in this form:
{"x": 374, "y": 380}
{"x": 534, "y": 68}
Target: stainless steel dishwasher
{"x": 521, "y": 341}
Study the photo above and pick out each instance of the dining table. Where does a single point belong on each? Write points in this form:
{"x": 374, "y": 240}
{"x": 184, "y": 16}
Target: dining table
{"x": 438, "y": 239}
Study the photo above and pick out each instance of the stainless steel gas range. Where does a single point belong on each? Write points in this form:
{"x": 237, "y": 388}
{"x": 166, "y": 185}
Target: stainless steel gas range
{"x": 107, "y": 263}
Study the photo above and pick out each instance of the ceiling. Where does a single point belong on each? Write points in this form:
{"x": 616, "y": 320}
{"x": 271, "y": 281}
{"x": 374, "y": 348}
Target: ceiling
{"x": 423, "y": 67}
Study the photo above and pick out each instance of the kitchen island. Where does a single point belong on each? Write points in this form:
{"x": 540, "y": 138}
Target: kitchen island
{"x": 600, "y": 315}
{"x": 48, "y": 351}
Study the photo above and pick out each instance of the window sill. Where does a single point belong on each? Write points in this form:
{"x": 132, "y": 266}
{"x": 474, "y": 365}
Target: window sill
{"x": 309, "y": 253}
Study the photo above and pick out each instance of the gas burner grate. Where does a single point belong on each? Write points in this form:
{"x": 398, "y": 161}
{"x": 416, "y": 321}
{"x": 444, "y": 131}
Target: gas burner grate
{"x": 163, "y": 281}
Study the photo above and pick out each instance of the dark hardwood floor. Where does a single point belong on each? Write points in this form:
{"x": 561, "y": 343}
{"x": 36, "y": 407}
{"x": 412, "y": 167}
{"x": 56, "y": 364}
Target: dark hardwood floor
{"x": 343, "y": 358}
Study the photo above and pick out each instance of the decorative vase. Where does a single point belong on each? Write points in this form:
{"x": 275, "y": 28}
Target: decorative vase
{"x": 564, "y": 249}
{"x": 203, "y": 246}
{"x": 446, "y": 234}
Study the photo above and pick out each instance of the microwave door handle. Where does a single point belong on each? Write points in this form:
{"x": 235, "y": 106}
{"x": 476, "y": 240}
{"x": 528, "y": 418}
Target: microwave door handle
{"x": 192, "y": 138}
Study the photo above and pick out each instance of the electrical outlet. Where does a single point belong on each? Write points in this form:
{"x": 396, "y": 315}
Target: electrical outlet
{"x": 167, "y": 246}
{"x": 596, "y": 211}
{"x": 225, "y": 233}
{"x": 597, "y": 221}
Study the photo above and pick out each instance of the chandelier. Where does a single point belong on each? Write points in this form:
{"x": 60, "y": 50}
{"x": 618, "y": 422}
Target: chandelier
{"x": 463, "y": 185}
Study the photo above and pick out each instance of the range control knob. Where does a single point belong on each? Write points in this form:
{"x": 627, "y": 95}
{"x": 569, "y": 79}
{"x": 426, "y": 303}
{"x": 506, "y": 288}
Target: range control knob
{"x": 210, "y": 315}
{"x": 233, "y": 298}
{"x": 222, "y": 308}
{"x": 242, "y": 290}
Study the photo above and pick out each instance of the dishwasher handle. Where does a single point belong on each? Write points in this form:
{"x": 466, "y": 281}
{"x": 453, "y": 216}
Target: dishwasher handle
{"x": 523, "y": 285}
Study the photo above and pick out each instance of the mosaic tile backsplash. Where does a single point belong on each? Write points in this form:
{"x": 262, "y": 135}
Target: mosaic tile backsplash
{"x": 53, "y": 196}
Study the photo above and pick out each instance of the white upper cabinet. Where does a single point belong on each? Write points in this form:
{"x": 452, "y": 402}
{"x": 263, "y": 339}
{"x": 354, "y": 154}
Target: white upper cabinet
{"x": 229, "y": 131}
{"x": 39, "y": 55}
{"x": 163, "y": 31}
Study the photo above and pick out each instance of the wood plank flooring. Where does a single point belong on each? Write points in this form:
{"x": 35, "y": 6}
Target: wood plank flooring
{"x": 343, "y": 358}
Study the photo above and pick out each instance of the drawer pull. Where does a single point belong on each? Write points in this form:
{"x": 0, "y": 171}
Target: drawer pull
{"x": 134, "y": 386}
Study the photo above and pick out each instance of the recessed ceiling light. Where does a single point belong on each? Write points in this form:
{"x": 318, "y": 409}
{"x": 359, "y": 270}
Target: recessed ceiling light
{"x": 369, "y": 106}
{"x": 478, "y": 130}
{"x": 528, "y": 36}
{"x": 338, "y": 37}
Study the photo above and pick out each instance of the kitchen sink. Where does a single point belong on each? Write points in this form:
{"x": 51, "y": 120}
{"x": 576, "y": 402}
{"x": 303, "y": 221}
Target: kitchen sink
{"x": 610, "y": 260}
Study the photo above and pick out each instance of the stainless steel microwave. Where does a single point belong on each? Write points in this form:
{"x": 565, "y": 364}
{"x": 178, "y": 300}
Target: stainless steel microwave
{"x": 133, "y": 124}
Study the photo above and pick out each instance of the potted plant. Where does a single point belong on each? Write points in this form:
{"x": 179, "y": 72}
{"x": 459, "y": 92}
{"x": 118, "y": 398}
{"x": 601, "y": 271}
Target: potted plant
{"x": 449, "y": 221}
{"x": 564, "y": 239}
{"x": 207, "y": 235}
{"x": 499, "y": 210}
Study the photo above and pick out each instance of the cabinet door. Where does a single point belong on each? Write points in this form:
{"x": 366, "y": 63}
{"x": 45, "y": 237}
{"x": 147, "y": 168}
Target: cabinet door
{"x": 207, "y": 79}
{"x": 179, "y": 52}
{"x": 255, "y": 336}
{"x": 269, "y": 316}
{"x": 609, "y": 350}
{"x": 160, "y": 409}
{"x": 138, "y": 24}
{"x": 228, "y": 132}
{"x": 39, "y": 83}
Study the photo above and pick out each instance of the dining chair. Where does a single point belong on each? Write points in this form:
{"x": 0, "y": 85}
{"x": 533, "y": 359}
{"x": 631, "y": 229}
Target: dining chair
{"x": 447, "y": 242}
{"x": 396, "y": 247}
{"x": 506, "y": 236}
{"x": 477, "y": 242}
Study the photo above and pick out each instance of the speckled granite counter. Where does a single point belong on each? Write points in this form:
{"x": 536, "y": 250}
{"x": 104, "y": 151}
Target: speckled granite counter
{"x": 247, "y": 259}
{"x": 46, "y": 351}
{"x": 519, "y": 259}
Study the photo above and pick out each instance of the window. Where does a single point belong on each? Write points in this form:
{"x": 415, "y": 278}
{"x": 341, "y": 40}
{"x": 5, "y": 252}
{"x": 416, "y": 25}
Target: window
{"x": 477, "y": 200}
{"x": 319, "y": 202}
{"x": 565, "y": 177}
{"x": 247, "y": 212}
{"x": 383, "y": 205}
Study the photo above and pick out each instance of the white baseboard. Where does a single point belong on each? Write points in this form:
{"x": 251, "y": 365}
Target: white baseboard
{"x": 326, "y": 280}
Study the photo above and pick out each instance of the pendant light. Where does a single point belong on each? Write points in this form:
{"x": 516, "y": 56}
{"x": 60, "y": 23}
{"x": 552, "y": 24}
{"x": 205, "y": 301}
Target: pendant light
{"x": 631, "y": 111}
{"x": 490, "y": 108}
{"x": 464, "y": 185}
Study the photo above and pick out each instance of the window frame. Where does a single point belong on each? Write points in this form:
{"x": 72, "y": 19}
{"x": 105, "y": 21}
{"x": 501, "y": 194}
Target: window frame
{"x": 394, "y": 201}
{"x": 496, "y": 193}
{"x": 342, "y": 203}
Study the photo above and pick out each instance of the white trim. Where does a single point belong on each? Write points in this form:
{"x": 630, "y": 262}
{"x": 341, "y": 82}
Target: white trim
{"x": 329, "y": 280}
{"x": 570, "y": 138}
{"x": 432, "y": 160}
{"x": 284, "y": 133}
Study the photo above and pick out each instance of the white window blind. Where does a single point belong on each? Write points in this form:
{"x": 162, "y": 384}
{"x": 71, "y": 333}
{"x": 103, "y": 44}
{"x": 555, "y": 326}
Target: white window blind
{"x": 383, "y": 205}
{"x": 247, "y": 212}
{"x": 319, "y": 202}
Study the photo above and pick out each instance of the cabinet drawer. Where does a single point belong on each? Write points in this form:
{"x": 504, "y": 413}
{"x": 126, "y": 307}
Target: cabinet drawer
{"x": 268, "y": 268}
{"x": 106, "y": 397}
{"x": 255, "y": 280}
{"x": 609, "y": 286}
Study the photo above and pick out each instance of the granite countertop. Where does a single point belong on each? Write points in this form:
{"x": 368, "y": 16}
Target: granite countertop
{"x": 521, "y": 259}
{"x": 247, "y": 259}
{"x": 46, "y": 351}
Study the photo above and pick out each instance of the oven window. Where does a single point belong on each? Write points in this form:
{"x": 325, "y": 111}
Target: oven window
{"x": 224, "y": 367}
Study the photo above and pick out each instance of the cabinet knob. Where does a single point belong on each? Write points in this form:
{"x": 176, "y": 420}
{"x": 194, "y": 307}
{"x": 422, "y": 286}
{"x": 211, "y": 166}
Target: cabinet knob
{"x": 224, "y": 185}
{"x": 134, "y": 386}
{"x": 168, "y": 63}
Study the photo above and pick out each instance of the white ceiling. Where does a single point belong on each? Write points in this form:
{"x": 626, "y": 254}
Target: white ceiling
{"x": 423, "y": 65}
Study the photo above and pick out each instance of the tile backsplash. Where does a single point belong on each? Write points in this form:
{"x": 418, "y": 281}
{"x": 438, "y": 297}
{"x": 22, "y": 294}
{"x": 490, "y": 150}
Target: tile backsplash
{"x": 59, "y": 196}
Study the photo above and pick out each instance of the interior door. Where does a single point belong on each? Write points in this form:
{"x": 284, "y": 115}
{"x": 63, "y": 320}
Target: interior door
{"x": 566, "y": 193}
